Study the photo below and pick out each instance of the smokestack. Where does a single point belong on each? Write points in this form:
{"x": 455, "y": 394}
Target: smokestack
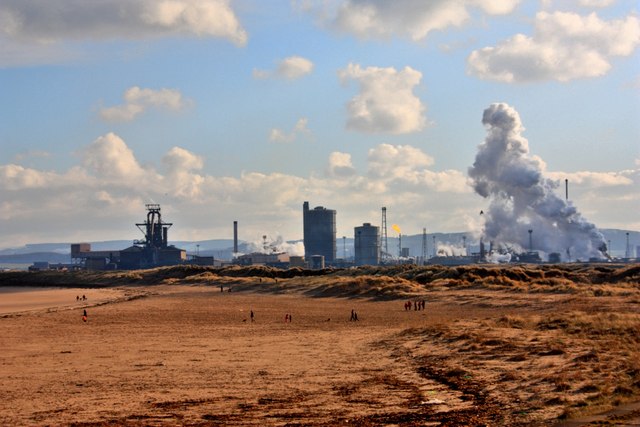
{"x": 566, "y": 189}
{"x": 235, "y": 237}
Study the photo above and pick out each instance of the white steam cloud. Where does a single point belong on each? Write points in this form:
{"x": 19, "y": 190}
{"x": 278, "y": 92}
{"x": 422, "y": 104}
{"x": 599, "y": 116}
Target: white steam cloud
{"x": 521, "y": 198}
{"x": 276, "y": 246}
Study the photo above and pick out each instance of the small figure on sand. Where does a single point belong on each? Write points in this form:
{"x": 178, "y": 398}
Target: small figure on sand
{"x": 84, "y": 315}
{"x": 252, "y": 316}
{"x": 354, "y": 316}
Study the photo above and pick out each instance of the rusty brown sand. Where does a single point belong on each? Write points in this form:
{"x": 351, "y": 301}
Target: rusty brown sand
{"x": 190, "y": 355}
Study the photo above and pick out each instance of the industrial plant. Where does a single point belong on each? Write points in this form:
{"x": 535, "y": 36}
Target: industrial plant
{"x": 152, "y": 251}
{"x": 370, "y": 245}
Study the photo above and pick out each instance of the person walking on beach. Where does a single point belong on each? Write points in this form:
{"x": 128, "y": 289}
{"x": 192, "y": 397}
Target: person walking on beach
{"x": 251, "y": 315}
{"x": 84, "y": 315}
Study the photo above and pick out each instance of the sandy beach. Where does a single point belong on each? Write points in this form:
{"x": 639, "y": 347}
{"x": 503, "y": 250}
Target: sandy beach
{"x": 15, "y": 300}
{"x": 188, "y": 354}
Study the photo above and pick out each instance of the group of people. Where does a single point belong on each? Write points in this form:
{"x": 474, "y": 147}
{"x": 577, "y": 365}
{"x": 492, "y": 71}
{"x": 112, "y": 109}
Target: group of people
{"x": 417, "y": 305}
{"x": 81, "y": 298}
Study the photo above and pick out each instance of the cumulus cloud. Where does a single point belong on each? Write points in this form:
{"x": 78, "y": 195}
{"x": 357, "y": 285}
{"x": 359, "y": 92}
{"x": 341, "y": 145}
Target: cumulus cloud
{"x": 406, "y": 18}
{"x": 104, "y": 195}
{"x": 110, "y": 158}
{"x": 57, "y": 20}
{"x": 137, "y": 101}
{"x": 291, "y": 68}
{"x": 300, "y": 128}
{"x": 565, "y": 46}
{"x": 340, "y": 165}
{"x": 178, "y": 159}
{"x": 386, "y": 102}
{"x": 397, "y": 161}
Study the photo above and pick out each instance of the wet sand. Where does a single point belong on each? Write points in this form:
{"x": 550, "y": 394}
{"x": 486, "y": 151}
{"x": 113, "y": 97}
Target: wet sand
{"x": 15, "y": 300}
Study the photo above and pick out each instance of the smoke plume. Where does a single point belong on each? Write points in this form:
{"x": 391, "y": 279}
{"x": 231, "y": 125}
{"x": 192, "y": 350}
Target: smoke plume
{"x": 276, "y": 246}
{"x": 522, "y": 199}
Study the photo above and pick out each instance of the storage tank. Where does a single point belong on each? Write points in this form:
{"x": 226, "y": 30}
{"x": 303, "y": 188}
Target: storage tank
{"x": 367, "y": 244}
{"x": 319, "y": 227}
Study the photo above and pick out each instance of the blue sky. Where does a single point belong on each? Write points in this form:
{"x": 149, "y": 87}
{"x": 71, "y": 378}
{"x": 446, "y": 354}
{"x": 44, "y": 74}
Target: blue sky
{"x": 241, "y": 110}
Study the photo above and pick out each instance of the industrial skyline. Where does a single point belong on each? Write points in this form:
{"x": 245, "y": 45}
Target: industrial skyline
{"x": 223, "y": 110}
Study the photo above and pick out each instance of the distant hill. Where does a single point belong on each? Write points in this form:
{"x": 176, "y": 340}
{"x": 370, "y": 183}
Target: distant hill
{"x": 30, "y": 258}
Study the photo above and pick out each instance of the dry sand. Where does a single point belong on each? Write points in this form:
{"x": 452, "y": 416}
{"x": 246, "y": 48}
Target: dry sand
{"x": 190, "y": 355}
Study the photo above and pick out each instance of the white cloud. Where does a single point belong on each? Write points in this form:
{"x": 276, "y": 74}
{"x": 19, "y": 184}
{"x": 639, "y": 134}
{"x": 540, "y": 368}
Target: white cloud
{"x": 110, "y": 158}
{"x": 104, "y": 196}
{"x": 138, "y": 100}
{"x": 565, "y": 46}
{"x": 294, "y": 67}
{"x": 291, "y": 68}
{"x": 386, "y": 102}
{"x": 593, "y": 179}
{"x": 57, "y": 20}
{"x": 569, "y": 4}
{"x": 340, "y": 165}
{"x": 596, "y": 3}
{"x": 405, "y": 18}
{"x": 178, "y": 159}
{"x": 300, "y": 128}
{"x": 397, "y": 161}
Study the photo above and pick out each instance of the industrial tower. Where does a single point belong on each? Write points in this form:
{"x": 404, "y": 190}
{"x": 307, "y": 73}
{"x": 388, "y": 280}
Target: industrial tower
{"x": 384, "y": 247}
{"x": 319, "y": 232}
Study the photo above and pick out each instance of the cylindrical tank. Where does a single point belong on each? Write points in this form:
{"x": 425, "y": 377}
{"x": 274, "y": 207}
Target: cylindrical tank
{"x": 367, "y": 244}
{"x": 319, "y": 227}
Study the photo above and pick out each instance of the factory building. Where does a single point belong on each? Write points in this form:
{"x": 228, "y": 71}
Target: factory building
{"x": 319, "y": 227}
{"x": 153, "y": 251}
{"x": 278, "y": 260}
{"x": 367, "y": 244}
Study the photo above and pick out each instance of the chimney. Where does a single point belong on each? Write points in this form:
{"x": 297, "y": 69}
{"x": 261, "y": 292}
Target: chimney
{"x": 566, "y": 189}
{"x": 235, "y": 237}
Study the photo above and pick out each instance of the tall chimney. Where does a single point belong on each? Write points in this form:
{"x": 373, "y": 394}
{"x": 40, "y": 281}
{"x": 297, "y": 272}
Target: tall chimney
{"x": 235, "y": 237}
{"x": 566, "y": 189}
